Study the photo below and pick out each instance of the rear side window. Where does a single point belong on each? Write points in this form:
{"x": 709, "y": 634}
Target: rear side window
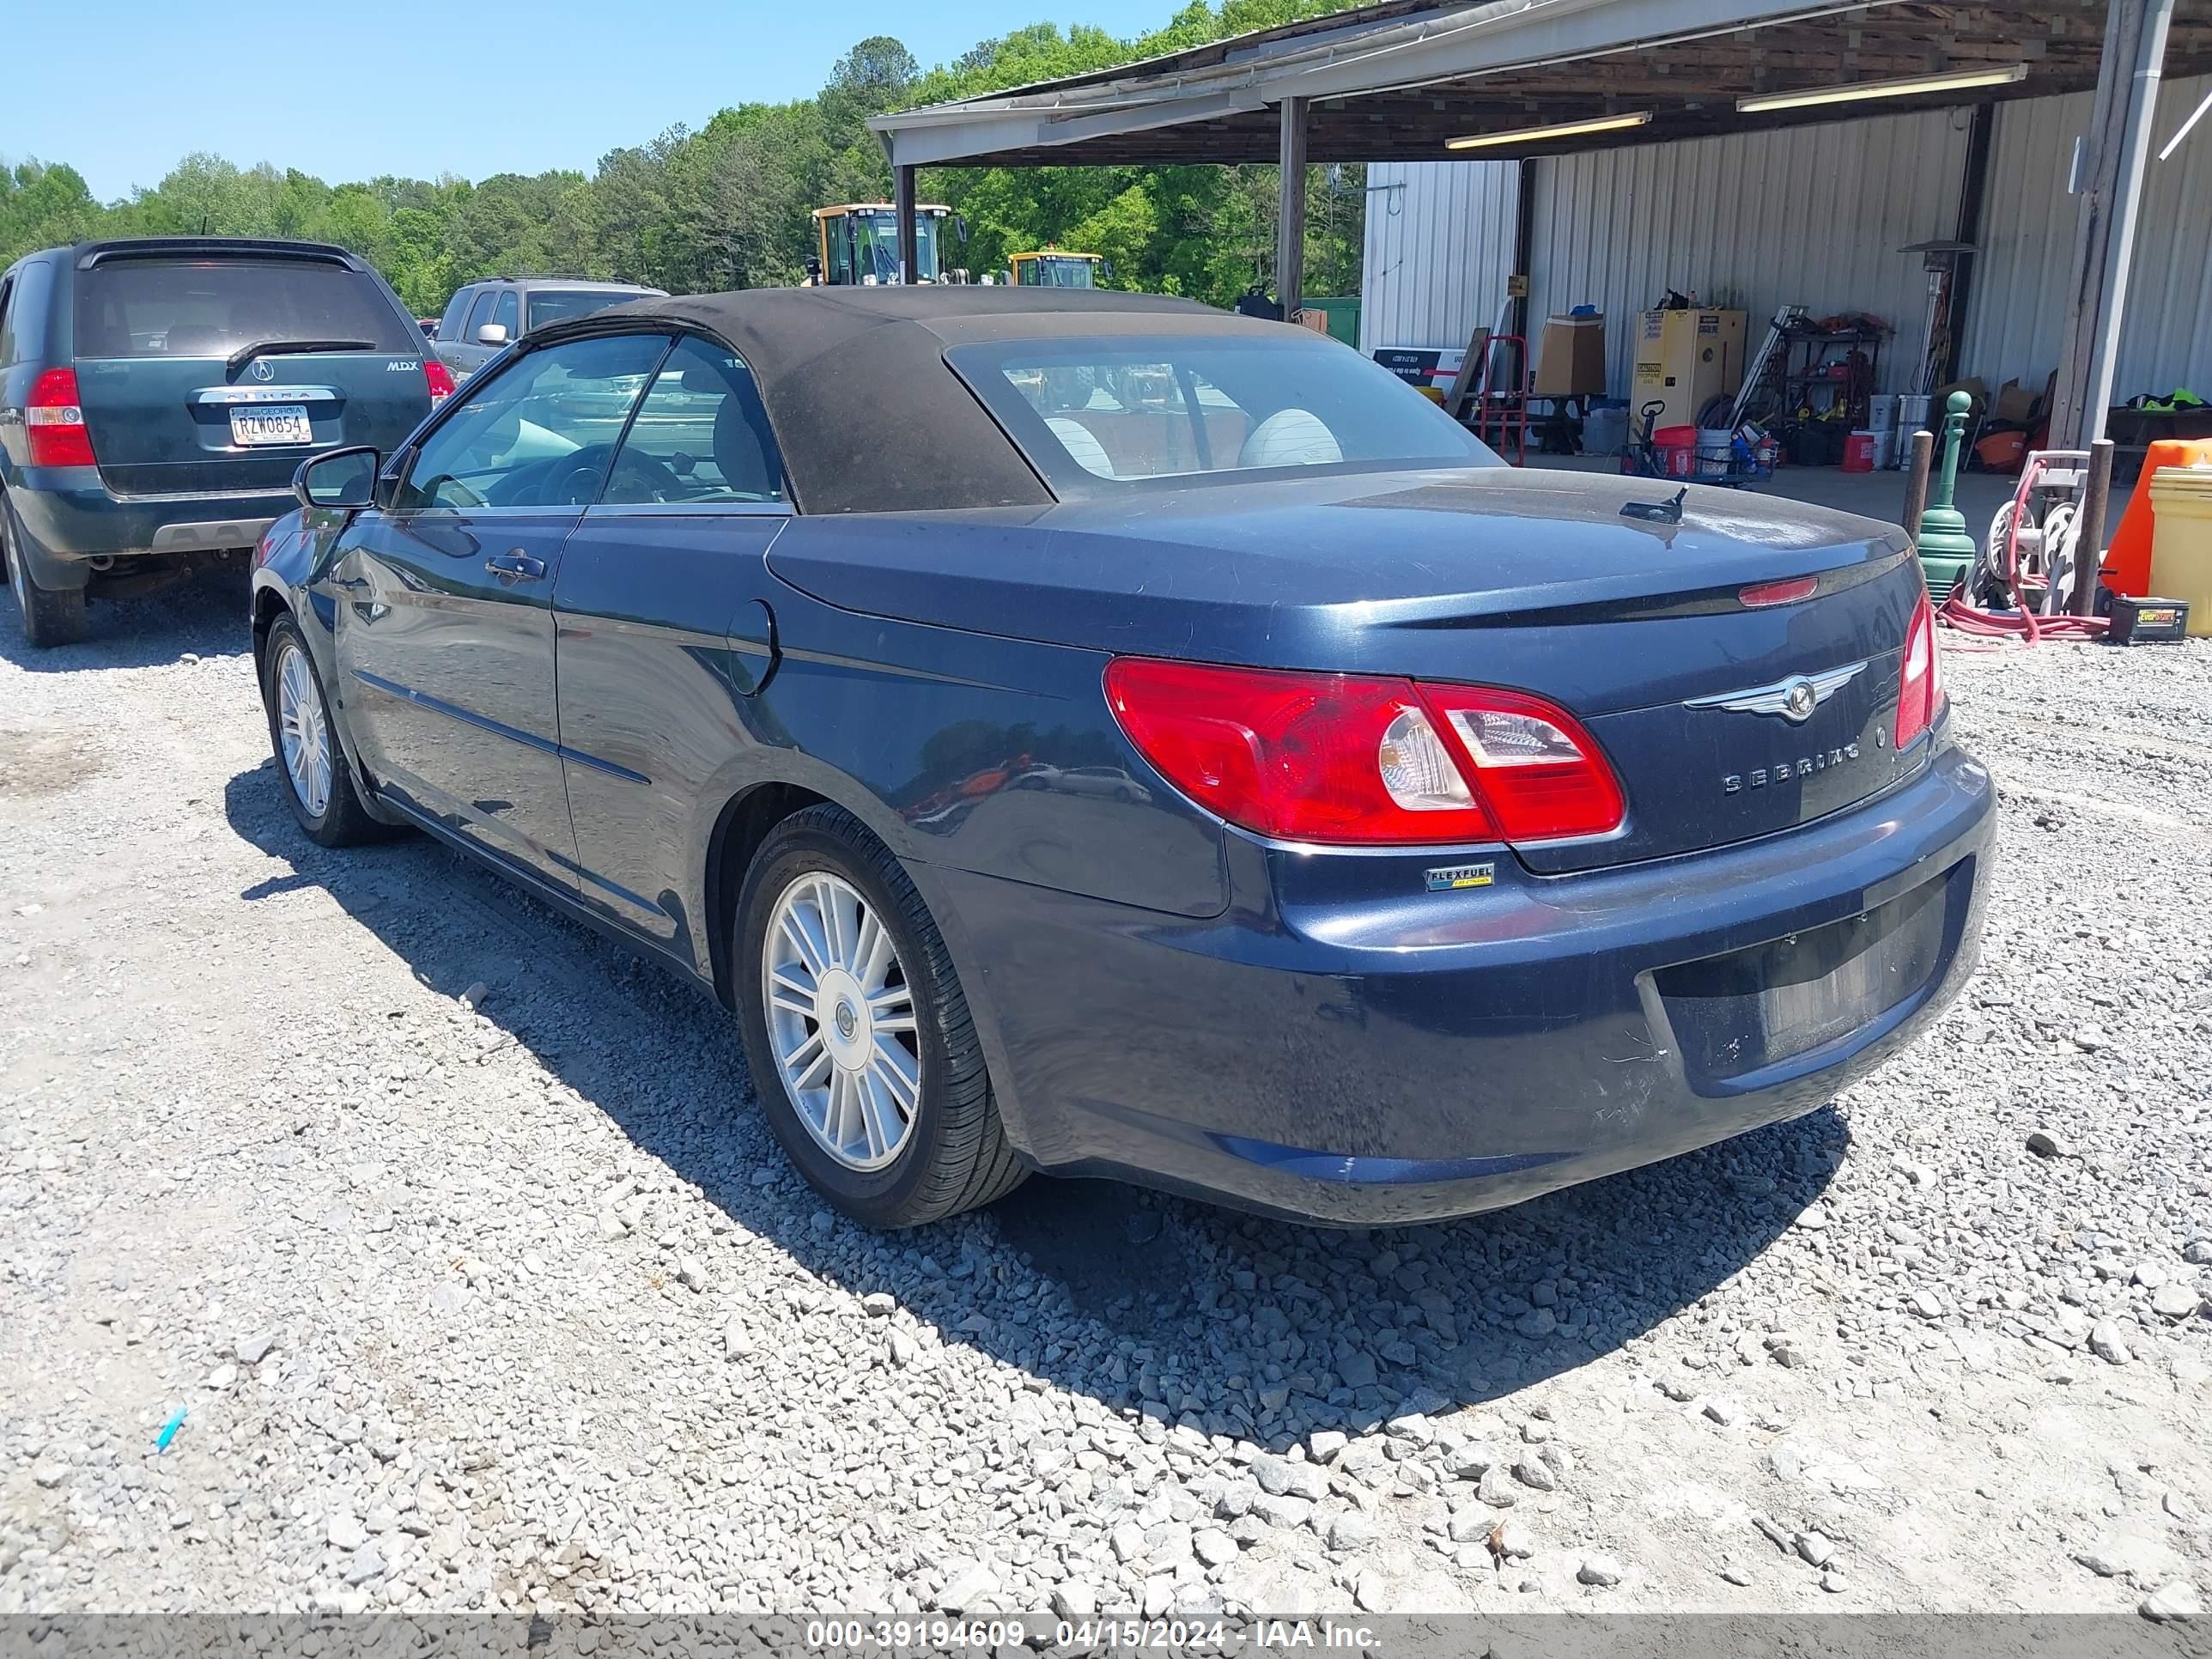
{"x": 507, "y": 313}
{"x": 700, "y": 435}
{"x": 23, "y": 322}
{"x": 213, "y": 308}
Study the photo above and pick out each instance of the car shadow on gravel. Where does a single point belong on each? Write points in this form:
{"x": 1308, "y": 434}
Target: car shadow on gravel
{"x": 1237, "y": 1325}
{"x": 205, "y": 615}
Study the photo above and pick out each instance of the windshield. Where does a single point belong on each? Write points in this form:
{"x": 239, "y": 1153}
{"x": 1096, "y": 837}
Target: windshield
{"x": 211, "y": 308}
{"x": 557, "y": 304}
{"x": 876, "y": 246}
{"x": 1059, "y": 270}
{"x": 1125, "y": 408}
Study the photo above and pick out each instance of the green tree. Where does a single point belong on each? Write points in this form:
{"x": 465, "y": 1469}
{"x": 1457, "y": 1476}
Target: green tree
{"x": 730, "y": 205}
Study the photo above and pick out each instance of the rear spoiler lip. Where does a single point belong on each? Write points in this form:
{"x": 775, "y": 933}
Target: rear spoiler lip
{"x": 92, "y": 254}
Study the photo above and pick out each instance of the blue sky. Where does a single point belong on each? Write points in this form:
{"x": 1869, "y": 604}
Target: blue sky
{"x": 345, "y": 91}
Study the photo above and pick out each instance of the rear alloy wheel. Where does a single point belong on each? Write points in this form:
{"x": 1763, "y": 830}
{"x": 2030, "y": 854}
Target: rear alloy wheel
{"x": 317, "y": 782}
{"x": 50, "y": 616}
{"x": 859, "y": 1038}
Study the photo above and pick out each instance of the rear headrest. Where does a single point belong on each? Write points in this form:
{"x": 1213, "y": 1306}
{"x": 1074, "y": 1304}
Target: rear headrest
{"x": 740, "y": 456}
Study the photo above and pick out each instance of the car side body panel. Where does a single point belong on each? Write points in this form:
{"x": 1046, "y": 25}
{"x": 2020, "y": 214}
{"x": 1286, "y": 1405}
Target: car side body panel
{"x": 662, "y": 643}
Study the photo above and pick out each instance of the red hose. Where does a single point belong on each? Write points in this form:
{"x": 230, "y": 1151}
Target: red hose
{"x": 2022, "y": 624}
{"x": 2019, "y": 623}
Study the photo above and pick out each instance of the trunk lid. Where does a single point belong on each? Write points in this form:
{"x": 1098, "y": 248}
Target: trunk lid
{"x": 177, "y": 401}
{"x": 1529, "y": 580}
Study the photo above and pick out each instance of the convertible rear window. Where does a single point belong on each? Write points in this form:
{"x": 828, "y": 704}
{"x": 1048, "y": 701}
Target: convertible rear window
{"x": 1123, "y": 409}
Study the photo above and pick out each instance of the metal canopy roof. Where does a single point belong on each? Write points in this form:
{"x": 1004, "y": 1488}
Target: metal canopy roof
{"x": 1395, "y": 80}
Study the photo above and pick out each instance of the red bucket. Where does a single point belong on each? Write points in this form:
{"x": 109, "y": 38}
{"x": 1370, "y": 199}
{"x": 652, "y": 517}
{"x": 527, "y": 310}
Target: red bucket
{"x": 1858, "y": 452}
{"x": 1677, "y": 448}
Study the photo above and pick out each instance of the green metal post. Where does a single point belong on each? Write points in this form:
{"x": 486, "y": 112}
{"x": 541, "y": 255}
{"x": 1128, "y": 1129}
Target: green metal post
{"x": 1946, "y": 551}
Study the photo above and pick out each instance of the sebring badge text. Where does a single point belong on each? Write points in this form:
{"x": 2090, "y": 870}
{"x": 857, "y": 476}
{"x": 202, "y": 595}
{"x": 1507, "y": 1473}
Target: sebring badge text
{"x": 1803, "y": 767}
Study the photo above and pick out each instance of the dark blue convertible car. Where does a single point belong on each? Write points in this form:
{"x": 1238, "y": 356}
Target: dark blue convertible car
{"x": 1090, "y": 733}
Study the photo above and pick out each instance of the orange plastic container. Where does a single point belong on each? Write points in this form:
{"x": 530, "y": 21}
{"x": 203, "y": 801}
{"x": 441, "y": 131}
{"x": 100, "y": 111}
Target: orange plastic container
{"x": 2002, "y": 452}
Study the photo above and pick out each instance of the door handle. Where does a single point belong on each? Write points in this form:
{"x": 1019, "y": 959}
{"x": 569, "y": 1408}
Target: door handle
{"x": 515, "y": 565}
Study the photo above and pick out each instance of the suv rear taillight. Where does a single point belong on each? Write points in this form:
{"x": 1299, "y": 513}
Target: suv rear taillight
{"x": 440, "y": 379}
{"x": 1349, "y": 759}
{"x": 1920, "y": 683}
{"x": 55, "y": 423}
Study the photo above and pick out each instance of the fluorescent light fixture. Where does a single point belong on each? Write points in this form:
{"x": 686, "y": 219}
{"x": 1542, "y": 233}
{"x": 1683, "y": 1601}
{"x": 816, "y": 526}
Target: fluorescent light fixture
{"x": 1538, "y": 135}
{"x": 1961, "y": 81}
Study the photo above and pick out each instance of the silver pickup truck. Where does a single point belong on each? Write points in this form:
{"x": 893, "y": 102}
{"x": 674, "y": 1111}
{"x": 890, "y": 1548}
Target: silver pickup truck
{"x": 484, "y": 316}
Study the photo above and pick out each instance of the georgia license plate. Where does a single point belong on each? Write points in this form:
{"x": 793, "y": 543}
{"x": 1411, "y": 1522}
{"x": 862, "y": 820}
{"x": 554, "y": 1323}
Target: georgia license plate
{"x": 272, "y": 423}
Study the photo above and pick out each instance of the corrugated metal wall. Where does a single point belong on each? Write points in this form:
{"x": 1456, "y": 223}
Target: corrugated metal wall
{"x": 1439, "y": 247}
{"x": 1810, "y": 216}
{"x": 2018, "y": 307}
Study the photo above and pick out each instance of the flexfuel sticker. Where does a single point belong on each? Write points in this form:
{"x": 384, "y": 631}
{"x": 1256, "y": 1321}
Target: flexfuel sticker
{"x": 1451, "y": 877}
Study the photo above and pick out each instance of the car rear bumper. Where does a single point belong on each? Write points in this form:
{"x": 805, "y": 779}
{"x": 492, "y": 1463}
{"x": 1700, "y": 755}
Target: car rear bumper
{"x": 1345, "y": 1046}
{"x": 71, "y": 517}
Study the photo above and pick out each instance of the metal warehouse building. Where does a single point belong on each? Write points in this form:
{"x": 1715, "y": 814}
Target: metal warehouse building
{"x": 1755, "y": 153}
{"x": 1811, "y": 215}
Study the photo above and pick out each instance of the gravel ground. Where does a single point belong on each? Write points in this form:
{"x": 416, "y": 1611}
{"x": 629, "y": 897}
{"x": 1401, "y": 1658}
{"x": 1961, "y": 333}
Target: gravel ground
{"x": 515, "y": 1303}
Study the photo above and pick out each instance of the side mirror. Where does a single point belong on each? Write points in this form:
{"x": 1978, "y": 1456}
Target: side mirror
{"x": 342, "y": 479}
{"x": 492, "y": 334}
{"x": 960, "y": 226}
{"x": 1106, "y": 269}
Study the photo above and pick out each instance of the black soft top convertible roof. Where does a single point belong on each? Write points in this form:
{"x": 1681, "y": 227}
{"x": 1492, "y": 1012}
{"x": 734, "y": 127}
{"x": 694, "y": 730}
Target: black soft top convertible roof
{"x": 867, "y": 414}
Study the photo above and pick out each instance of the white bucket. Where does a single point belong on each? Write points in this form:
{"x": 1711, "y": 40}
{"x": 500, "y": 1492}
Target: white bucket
{"x": 1715, "y": 446}
{"x": 1885, "y": 448}
{"x": 1881, "y": 414}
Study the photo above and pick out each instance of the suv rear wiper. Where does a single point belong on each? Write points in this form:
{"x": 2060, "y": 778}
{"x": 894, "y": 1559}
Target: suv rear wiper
{"x": 247, "y": 354}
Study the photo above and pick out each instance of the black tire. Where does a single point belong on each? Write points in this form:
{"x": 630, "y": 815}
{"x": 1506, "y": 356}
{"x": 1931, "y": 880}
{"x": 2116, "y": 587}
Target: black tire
{"x": 956, "y": 1156}
{"x": 344, "y": 821}
{"x": 50, "y": 616}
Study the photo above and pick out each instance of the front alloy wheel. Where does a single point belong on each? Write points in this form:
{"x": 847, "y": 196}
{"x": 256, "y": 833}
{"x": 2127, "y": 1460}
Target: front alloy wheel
{"x": 303, "y": 732}
{"x": 841, "y": 1019}
{"x": 318, "y": 784}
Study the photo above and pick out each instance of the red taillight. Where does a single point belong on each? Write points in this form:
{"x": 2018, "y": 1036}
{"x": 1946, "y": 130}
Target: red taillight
{"x": 55, "y": 424}
{"x": 1537, "y": 771}
{"x": 1920, "y": 683}
{"x": 1340, "y": 759}
{"x": 440, "y": 379}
